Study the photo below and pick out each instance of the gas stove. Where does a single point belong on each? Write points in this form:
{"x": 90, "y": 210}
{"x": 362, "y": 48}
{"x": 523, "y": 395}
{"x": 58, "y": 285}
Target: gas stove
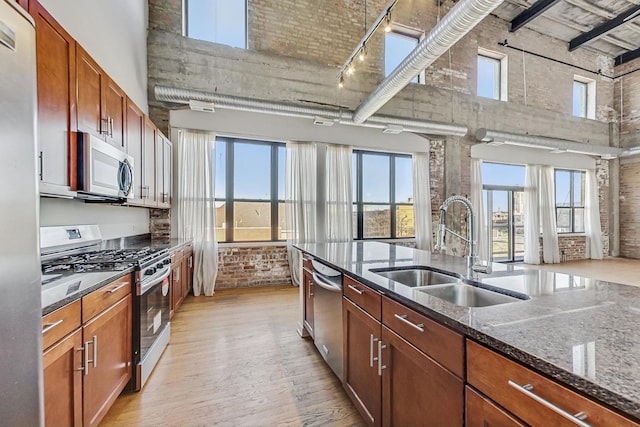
{"x": 104, "y": 260}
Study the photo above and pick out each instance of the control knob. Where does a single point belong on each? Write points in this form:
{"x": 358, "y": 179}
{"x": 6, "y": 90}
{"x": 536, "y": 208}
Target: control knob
{"x": 150, "y": 271}
{"x": 159, "y": 265}
{"x": 167, "y": 261}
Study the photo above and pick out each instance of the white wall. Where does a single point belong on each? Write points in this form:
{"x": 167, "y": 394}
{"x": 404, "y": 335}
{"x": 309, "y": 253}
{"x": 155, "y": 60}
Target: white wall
{"x": 280, "y": 128}
{"x": 114, "y": 221}
{"x": 114, "y": 32}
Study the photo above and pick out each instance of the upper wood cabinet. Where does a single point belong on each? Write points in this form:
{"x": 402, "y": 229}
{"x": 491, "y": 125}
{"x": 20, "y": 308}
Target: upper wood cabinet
{"x": 56, "y": 71}
{"x": 149, "y": 166}
{"x": 101, "y": 103}
{"x": 135, "y": 148}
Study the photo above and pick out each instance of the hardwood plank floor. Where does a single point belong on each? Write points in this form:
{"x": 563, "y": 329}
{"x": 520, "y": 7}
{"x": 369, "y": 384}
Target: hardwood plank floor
{"x": 616, "y": 270}
{"x": 236, "y": 359}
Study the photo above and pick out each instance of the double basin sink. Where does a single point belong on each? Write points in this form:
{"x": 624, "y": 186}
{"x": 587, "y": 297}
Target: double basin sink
{"x": 448, "y": 287}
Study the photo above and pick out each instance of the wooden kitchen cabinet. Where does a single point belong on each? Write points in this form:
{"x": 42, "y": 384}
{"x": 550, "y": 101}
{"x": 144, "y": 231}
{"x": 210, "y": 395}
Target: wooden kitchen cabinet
{"x": 56, "y": 77}
{"x": 307, "y": 284}
{"x": 481, "y": 412}
{"x": 181, "y": 277}
{"x": 148, "y": 175}
{"x": 101, "y": 104}
{"x": 86, "y": 370}
{"x": 520, "y": 391}
{"x": 62, "y": 364}
{"x": 163, "y": 170}
{"x": 187, "y": 278}
{"x": 363, "y": 384}
{"x": 135, "y": 148}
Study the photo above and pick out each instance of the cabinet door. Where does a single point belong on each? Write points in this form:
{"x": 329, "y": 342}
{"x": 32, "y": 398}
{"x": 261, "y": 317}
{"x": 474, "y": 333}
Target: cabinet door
{"x": 134, "y": 143}
{"x": 481, "y": 412}
{"x": 362, "y": 382}
{"x": 187, "y": 272}
{"x": 166, "y": 171}
{"x": 90, "y": 85}
{"x": 107, "y": 338}
{"x": 56, "y": 62}
{"x": 63, "y": 382}
{"x": 113, "y": 115}
{"x": 416, "y": 390}
{"x": 176, "y": 286}
{"x": 307, "y": 280}
{"x": 149, "y": 164}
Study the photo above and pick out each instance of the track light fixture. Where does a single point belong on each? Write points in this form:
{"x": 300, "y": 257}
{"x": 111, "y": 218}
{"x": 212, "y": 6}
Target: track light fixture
{"x": 361, "y": 50}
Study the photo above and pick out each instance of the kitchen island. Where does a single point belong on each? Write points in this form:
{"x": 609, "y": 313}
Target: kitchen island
{"x": 580, "y": 332}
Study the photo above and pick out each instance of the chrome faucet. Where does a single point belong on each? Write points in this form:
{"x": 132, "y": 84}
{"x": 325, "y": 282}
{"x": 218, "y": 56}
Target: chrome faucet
{"x": 471, "y": 239}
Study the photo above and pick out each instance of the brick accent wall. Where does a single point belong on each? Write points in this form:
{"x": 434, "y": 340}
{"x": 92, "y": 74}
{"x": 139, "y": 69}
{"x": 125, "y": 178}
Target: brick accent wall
{"x": 160, "y": 223}
{"x": 627, "y": 99}
{"x": 630, "y": 207}
{"x": 252, "y": 266}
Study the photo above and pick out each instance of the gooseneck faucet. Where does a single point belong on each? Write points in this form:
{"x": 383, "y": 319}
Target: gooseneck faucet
{"x": 471, "y": 238}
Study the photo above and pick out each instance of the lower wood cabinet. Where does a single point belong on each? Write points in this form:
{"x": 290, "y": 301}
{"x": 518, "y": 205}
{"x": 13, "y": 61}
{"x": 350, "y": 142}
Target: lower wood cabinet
{"x": 481, "y": 412}
{"x": 307, "y": 288}
{"x": 87, "y": 363}
{"x": 181, "y": 281}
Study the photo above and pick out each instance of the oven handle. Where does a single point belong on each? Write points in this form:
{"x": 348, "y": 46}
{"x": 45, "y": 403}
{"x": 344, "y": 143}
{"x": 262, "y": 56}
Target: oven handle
{"x": 150, "y": 285}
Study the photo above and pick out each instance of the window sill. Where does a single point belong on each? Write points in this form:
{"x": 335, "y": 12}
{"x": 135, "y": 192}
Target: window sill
{"x": 571, "y": 235}
{"x": 250, "y": 244}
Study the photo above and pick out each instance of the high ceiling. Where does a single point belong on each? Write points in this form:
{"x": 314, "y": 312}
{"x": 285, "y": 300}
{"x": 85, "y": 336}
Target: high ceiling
{"x": 611, "y": 27}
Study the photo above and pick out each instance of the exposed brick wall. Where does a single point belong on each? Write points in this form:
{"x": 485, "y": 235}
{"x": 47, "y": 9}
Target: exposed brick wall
{"x": 160, "y": 223}
{"x": 627, "y": 98}
{"x": 602, "y": 178}
{"x": 572, "y": 248}
{"x": 630, "y": 207}
{"x": 252, "y": 266}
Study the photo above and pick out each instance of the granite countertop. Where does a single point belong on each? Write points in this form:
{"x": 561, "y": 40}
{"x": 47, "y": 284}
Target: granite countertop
{"x": 70, "y": 288}
{"x": 581, "y": 331}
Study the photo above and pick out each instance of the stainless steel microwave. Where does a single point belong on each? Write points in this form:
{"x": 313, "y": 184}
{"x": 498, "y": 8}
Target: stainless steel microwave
{"x": 104, "y": 172}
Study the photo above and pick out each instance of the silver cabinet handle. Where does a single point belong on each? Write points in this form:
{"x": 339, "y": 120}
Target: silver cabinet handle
{"x": 371, "y": 358}
{"x": 104, "y": 123}
{"x": 117, "y": 288}
{"x": 380, "y": 365}
{"x": 50, "y": 326}
{"x": 94, "y": 361}
{"x": 403, "y": 317}
{"x": 82, "y": 368}
{"x": 577, "y": 419}
{"x": 95, "y": 352}
{"x": 310, "y": 288}
{"x": 176, "y": 277}
{"x": 41, "y": 161}
{"x": 85, "y": 348}
{"x": 356, "y": 290}
{"x": 111, "y": 127}
{"x": 191, "y": 261}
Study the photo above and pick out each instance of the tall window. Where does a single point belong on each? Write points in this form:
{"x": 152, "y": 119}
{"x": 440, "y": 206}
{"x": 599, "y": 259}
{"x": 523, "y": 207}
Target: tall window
{"x": 398, "y": 43}
{"x": 503, "y": 187}
{"x": 383, "y": 195}
{"x": 570, "y": 201}
{"x": 489, "y": 77}
{"x": 249, "y": 190}
{"x": 218, "y": 21}
{"x": 579, "y": 99}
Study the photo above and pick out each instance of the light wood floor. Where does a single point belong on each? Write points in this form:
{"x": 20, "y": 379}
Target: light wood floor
{"x": 236, "y": 359}
{"x": 617, "y": 270}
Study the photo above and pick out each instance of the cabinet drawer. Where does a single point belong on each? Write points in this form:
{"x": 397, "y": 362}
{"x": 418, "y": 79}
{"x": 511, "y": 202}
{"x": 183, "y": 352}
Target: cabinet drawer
{"x": 509, "y": 384}
{"x": 364, "y": 296}
{"x": 481, "y": 412}
{"x": 98, "y": 300}
{"x": 306, "y": 262}
{"x": 441, "y": 343}
{"x": 188, "y": 250}
{"x": 177, "y": 255}
{"x": 60, "y": 323}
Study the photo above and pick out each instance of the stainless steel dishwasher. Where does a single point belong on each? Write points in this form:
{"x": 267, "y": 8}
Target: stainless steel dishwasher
{"x": 327, "y": 315}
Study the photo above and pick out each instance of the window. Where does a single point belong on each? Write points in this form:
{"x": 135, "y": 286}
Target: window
{"x": 503, "y": 187}
{"x": 570, "y": 201}
{"x": 217, "y": 21}
{"x": 492, "y": 75}
{"x": 249, "y": 190}
{"x": 398, "y": 44}
{"x": 383, "y": 196}
{"x": 584, "y": 97}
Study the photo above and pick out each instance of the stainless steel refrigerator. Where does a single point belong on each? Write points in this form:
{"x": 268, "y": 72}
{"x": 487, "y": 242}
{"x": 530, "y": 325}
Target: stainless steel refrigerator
{"x": 20, "y": 311}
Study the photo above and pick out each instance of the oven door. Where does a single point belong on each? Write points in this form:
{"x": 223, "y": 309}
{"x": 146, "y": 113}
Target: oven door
{"x": 154, "y": 313}
{"x": 103, "y": 169}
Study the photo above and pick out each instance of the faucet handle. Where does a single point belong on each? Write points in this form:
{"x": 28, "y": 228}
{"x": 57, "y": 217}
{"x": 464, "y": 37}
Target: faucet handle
{"x": 482, "y": 268}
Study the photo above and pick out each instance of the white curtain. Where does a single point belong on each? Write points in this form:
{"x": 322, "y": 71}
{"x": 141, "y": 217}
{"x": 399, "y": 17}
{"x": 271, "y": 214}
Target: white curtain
{"x": 531, "y": 215}
{"x": 480, "y": 222}
{"x": 550, "y": 250}
{"x": 339, "y": 201}
{"x": 300, "y": 190}
{"x": 196, "y": 214}
{"x": 422, "y": 201}
{"x": 592, "y": 216}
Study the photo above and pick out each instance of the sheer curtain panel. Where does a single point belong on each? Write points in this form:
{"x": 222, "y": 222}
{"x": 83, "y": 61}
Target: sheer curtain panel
{"x": 531, "y": 215}
{"x": 550, "y": 250}
{"x": 592, "y": 216}
{"x": 195, "y": 207}
{"x": 483, "y": 241}
{"x": 422, "y": 201}
{"x": 300, "y": 190}
{"x": 339, "y": 201}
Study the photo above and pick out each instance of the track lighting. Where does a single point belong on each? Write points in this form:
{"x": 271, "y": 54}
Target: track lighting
{"x": 341, "y": 82}
{"x": 351, "y": 69}
{"x": 387, "y": 25}
{"x": 363, "y": 53}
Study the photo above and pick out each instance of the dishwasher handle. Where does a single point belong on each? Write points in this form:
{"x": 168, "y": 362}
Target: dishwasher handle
{"x": 323, "y": 283}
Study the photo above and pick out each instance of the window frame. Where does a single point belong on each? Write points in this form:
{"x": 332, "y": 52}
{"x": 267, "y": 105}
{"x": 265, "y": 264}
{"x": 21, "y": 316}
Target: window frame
{"x": 359, "y": 203}
{"x": 230, "y": 198}
{"x": 502, "y": 83}
{"x": 590, "y": 96}
{"x": 572, "y": 206}
{"x": 407, "y": 33}
{"x": 185, "y": 24}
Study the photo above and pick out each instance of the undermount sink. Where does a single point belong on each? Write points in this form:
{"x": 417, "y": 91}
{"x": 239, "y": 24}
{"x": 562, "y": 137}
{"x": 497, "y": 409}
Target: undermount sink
{"x": 415, "y": 276}
{"x": 469, "y": 296}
